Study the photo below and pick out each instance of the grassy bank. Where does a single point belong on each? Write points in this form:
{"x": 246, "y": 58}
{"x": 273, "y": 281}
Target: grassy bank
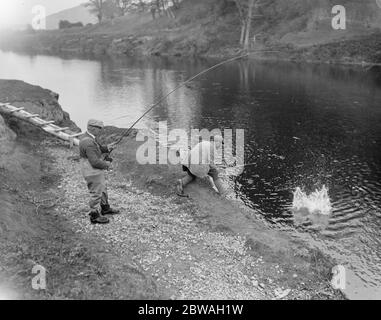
{"x": 297, "y": 30}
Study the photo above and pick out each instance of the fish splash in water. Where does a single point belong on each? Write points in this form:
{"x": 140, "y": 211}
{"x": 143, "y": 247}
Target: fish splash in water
{"x": 317, "y": 202}
{"x": 312, "y": 211}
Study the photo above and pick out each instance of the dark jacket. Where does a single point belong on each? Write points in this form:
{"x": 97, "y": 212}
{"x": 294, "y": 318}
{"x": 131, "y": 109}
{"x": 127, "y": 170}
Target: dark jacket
{"x": 91, "y": 150}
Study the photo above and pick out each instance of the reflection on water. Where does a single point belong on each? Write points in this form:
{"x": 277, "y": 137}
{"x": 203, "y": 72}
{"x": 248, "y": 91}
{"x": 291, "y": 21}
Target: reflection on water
{"x": 306, "y": 126}
{"x": 104, "y": 89}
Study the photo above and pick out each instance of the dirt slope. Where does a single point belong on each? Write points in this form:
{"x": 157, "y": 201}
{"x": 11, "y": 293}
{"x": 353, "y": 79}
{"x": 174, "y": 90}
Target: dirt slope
{"x": 31, "y": 232}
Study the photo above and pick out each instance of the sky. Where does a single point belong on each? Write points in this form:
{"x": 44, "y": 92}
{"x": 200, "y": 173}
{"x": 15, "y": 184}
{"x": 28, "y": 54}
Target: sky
{"x": 14, "y": 13}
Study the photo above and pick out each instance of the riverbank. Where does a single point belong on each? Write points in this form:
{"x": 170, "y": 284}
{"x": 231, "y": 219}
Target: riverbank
{"x": 364, "y": 51}
{"x": 162, "y": 246}
{"x": 33, "y": 234}
{"x": 211, "y": 29}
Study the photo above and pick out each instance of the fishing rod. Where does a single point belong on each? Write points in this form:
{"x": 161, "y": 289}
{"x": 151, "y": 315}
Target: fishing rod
{"x": 160, "y": 100}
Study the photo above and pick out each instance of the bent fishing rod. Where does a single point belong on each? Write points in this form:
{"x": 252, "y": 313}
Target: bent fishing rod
{"x": 160, "y": 100}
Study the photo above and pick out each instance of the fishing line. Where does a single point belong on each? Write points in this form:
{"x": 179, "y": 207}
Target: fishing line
{"x": 155, "y": 104}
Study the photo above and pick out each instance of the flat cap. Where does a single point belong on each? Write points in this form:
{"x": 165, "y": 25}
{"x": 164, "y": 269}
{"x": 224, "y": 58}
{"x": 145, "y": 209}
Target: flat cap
{"x": 95, "y": 123}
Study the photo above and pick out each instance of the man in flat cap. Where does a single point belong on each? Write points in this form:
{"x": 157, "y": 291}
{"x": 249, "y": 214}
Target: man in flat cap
{"x": 93, "y": 166}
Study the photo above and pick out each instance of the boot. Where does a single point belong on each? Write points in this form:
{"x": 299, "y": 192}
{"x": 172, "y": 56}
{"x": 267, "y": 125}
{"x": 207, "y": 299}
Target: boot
{"x": 96, "y": 217}
{"x": 220, "y": 187}
{"x": 180, "y": 188}
{"x": 107, "y": 210}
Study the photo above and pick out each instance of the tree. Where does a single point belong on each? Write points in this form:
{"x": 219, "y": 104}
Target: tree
{"x": 176, "y": 4}
{"x": 142, "y": 5}
{"x": 123, "y": 6}
{"x": 170, "y": 12}
{"x": 246, "y": 10}
{"x": 97, "y": 8}
{"x": 164, "y": 6}
{"x": 246, "y": 43}
{"x": 158, "y": 6}
{"x": 110, "y": 10}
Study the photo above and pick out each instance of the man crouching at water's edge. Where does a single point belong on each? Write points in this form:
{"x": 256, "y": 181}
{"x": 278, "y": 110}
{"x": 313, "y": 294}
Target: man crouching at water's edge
{"x": 200, "y": 163}
{"x": 93, "y": 168}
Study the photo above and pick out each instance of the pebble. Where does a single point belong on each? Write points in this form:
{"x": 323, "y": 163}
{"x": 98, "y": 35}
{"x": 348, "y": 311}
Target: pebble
{"x": 280, "y": 293}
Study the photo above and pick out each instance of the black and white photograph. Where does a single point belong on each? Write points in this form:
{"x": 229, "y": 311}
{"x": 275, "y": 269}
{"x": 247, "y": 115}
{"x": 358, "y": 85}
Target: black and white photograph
{"x": 192, "y": 156}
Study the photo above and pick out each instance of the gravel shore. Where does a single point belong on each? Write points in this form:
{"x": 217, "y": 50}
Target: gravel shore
{"x": 164, "y": 239}
{"x": 169, "y": 238}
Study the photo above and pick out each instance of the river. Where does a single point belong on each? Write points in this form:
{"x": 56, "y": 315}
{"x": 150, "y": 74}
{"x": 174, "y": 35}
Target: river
{"x": 306, "y": 126}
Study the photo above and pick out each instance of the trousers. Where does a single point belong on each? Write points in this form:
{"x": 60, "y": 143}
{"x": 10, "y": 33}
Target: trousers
{"x": 98, "y": 191}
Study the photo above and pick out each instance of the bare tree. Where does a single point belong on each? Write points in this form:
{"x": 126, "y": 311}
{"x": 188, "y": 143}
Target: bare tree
{"x": 158, "y": 6}
{"x": 141, "y": 5}
{"x": 246, "y": 44}
{"x": 176, "y": 4}
{"x": 97, "y": 8}
{"x": 165, "y": 6}
{"x": 241, "y": 14}
{"x": 123, "y": 6}
{"x": 246, "y": 10}
{"x": 168, "y": 9}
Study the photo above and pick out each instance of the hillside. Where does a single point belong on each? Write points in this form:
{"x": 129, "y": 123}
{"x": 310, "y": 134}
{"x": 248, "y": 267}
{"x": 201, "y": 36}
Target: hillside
{"x": 297, "y": 29}
{"x": 73, "y": 15}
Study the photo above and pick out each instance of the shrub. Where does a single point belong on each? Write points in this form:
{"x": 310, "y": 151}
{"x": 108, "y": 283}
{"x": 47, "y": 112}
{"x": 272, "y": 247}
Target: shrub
{"x": 64, "y": 24}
